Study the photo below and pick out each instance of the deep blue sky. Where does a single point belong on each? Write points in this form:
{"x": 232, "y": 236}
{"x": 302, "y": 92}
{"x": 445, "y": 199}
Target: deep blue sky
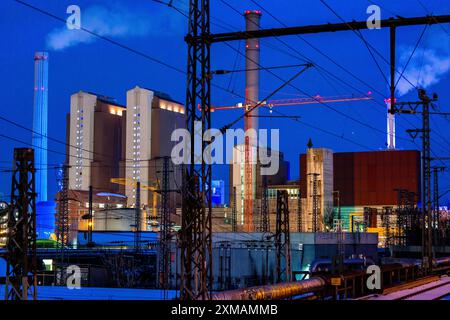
{"x": 154, "y": 29}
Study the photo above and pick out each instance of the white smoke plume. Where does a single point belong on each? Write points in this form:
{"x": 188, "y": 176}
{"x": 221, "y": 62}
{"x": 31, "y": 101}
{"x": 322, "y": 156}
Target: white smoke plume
{"x": 430, "y": 63}
{"x": 115, "y": 21}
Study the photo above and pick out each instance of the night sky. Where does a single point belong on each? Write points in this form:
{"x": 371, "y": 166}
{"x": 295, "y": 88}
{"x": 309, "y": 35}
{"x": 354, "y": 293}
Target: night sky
{"x": 80, "y": 62}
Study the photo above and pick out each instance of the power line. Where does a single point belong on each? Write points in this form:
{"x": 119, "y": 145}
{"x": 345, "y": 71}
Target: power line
{"x": 362, "y": 38}
{"x": 412, "y": 54}
{"x": 325, "y": 131}
{"x": 123, "y": 46}
{"x": 333, "y": 61}
{"x": 427, "y": 12}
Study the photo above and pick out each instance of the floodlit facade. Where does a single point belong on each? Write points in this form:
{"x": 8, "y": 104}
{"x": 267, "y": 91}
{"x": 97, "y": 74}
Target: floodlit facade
{"x": 316, "y": 168}
{"x": 237, "y": 181}
{"x": 138, "y": 140}
{"x": 151, "y": 117}
{"x": 95, "y": 131}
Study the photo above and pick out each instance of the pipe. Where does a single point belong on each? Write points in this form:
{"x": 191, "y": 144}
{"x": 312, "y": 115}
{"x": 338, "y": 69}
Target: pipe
{"x": 273, "y": 292}
{"x": 441, "y": 261}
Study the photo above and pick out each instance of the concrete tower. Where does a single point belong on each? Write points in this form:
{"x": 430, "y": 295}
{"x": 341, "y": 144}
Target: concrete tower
{"x": 390, "y": 126}
{"x": 252, "y": 53}
{"x": 40, "y": 123}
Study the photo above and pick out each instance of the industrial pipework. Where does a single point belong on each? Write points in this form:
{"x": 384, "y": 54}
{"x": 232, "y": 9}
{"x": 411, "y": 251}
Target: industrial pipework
{"x": 273, "y": 292}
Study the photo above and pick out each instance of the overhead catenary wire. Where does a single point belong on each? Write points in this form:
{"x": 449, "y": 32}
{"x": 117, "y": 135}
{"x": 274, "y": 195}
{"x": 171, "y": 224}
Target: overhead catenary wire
{"x": 124, "y": 46}
{"x": 42, "y": 11}
{"x": 366, "y": 42}
{"x": 411, "y": 55}
{"x": 318, "y": 66}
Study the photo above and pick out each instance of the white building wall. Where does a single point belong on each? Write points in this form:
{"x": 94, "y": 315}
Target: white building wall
{"x": 238, "y": 172}
{"x": 138, "y": 141}
{"x": 238, "y": 180}
{"x": 82, "y": 108}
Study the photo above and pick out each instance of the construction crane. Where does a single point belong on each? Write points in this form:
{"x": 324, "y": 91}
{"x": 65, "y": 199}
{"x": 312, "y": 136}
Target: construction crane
{"x": 299, "y": 101}
{"x": 248, "y": 174}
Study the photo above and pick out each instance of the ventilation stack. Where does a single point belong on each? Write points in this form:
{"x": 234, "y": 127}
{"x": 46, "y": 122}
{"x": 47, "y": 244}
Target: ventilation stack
{"x": 252, "y": 21}
{"x": 390, "y": 126}
{"x": 40, "y": 123}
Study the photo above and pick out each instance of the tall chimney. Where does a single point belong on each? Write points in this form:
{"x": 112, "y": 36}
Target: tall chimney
{"x": 252, "y": 20}
{"x": 40, "y": 123}
{"x": 390, "y": 126}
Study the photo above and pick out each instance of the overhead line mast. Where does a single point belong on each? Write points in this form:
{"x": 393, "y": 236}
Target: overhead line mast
{"x": 196, "y": 242}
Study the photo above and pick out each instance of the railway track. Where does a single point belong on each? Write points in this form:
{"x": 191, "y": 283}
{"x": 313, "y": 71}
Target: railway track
{"x": 429, "y": 288}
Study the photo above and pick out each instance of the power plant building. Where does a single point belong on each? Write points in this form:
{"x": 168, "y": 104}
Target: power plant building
{"x": 237, "y": 181}
{"x": 316, "y": 177}
{"x": 111, "y": 147}
{"x": 94, "y": 142}
{"x": 151, "y": 117}
{"x": 362, "y": 182}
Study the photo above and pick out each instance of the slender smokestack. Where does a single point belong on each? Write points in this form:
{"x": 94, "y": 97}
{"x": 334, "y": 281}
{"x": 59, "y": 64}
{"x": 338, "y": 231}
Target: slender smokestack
{"x": 40, "y": 123}
{"x": 252, "y": 20}
{"x": 390, "y": 126}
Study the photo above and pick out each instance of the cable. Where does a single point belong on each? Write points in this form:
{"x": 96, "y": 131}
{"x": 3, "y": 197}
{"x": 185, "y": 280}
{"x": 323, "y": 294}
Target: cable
{"x": 373, "y": 57}
{"x": 412, "y": 54}
{"x": 267, "y": 98}
{"x": 290, "y": 84}
{"x": 358, "y": 35}
{"x": 318, "y": 100}
{"x": 222, "y": 71}
{"x": 115, "y": 42}
{"x": 427, "y": 12}
{"x": 333, "y": 61}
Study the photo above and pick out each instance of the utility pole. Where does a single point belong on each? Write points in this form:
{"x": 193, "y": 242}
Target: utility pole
{"x": 402, "y": 216}
{"x": 196, "y": 241}
{"x": 338, "y": 229}
{"x": 411, "y": 108}
{"x": 90, "y": 217}
{"x": 164, "y": 252}
{"x": 196, "y": 245}
{"x": 299, "y": 211}
{"x": 62, "y": 219}
{"x": 387, "y": 212}
{"x": 282, "y": 238}
{"x": 315, "y": 203}
{"x": 265, "y": 220}
{"x": 234, "y": 212}
{"x": 21, "y": 235}
{"x": 436, "y": 221}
